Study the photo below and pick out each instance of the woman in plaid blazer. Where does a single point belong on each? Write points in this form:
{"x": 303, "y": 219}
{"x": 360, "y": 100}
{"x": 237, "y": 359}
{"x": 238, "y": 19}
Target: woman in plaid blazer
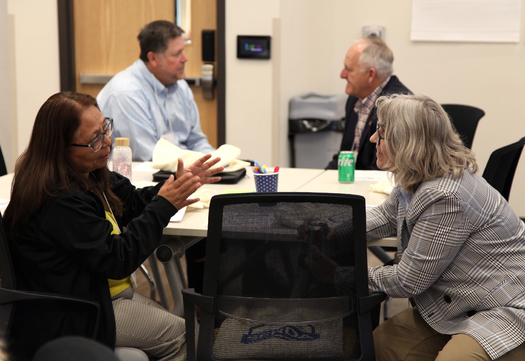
{"x": 461, "y": 247}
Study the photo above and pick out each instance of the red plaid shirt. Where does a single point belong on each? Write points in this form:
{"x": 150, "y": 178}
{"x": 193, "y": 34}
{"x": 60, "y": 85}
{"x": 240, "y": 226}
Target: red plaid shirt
{"x": 363, "y": 107}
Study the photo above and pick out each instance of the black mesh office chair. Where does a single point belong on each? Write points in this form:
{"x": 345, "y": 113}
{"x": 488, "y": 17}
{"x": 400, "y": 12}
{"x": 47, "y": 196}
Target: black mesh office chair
{"x": 3, "y": 168}
{"x": 260, "y": 298}
{"x": 465, "y": 119}
{"x": 501, "y": 166}
{"x": 9, "y": 296}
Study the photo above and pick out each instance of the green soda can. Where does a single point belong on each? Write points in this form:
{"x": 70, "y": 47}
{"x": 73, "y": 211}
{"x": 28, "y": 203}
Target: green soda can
{"x": 346, "y": 166}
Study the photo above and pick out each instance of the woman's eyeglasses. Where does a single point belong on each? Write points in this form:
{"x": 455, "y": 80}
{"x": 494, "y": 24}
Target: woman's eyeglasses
{"x": 98, "y": 141}
{"x": 379, "y": 137}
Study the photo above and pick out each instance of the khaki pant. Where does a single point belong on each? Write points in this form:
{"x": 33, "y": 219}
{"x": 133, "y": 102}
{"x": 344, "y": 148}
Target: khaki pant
{"x": 142, "y": 323}
{"x": 407, "y": 337}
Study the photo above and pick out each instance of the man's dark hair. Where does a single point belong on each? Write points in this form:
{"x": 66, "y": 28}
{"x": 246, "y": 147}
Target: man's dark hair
{"x": 155, "y": 36}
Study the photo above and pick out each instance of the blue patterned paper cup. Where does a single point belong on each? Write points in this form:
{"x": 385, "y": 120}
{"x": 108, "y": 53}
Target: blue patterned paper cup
{"x": 266, "y": 182}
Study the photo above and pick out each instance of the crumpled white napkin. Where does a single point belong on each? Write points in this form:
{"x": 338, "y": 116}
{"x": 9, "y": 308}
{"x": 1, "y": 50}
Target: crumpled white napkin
{"x": 165, "y": 155}
{"x": 383, "y": 186}
{"x": 205, "y": 199}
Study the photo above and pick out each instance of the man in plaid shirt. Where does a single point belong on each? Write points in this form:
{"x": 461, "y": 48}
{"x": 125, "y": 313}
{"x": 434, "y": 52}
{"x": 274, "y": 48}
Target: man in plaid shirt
{"x": 368, "y": 72}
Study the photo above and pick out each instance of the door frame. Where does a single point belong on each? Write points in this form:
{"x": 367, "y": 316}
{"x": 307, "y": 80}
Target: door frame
{"x": 66, "y": 45}
{"x": 66, "y": 42}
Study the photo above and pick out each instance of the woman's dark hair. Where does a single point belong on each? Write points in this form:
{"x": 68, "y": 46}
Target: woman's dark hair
{"x": 45, "y": 168}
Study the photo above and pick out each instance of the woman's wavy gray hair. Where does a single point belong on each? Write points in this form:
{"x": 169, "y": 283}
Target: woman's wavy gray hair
{"x": 422, "y": 143}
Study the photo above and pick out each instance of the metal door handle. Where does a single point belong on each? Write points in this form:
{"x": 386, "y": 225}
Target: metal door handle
{"x": 100, "y": 79}
{"x": 207, "y": 81}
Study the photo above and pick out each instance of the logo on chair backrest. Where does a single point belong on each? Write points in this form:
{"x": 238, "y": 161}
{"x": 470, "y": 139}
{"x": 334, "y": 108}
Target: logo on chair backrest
{"x": 288, "y": 333}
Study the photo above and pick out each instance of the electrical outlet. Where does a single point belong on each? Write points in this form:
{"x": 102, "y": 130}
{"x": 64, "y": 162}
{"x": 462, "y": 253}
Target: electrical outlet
{"x": 374, "y": 30}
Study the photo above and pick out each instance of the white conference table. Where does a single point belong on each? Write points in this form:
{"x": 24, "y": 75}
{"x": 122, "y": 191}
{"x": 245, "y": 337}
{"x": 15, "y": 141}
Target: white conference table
{"x": 178, "y": 236}
{"x": 5, "y": 190}
{"x": 328, "y": 182}
{"x": 193, "y": 226}
{"x": 194, "y": 222}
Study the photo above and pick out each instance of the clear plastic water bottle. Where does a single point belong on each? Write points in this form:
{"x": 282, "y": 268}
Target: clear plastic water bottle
{"x": 122, "y": 157}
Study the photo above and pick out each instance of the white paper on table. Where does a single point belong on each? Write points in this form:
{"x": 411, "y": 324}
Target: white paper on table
{"x": 371, "y": 175}
{"x": 177, "y": 217}
{"x": 145, "y": 167}
{"x": 143, "y": 184}
{"x": 3, "y": 204}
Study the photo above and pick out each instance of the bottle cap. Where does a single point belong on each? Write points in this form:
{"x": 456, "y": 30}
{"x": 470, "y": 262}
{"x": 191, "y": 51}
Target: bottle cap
{"x": 122, "y": 142}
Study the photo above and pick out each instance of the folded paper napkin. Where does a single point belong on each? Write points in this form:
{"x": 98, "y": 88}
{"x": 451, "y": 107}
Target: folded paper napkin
{"x": 383, "y": 186}
{"x": 205, "y": 198}
{"x": 165, "y": 155}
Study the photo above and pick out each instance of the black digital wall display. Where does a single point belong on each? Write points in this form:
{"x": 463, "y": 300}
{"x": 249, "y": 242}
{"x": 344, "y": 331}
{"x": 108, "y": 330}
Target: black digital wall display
{"x": 253, "y": 47}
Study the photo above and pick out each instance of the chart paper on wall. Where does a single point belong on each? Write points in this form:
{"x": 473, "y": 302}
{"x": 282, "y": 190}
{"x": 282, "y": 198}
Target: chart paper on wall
{"x": 466, "y": 20}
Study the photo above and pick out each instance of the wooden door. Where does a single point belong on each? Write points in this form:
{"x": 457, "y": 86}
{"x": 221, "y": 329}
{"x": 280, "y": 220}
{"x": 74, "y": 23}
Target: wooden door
{"x": 106, "y": 43}
{"x": 203, "y": 17}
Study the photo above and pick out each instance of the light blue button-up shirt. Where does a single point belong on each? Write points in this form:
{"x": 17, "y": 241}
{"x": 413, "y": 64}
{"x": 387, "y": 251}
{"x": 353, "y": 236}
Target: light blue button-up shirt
{"x": 144, "y": 110}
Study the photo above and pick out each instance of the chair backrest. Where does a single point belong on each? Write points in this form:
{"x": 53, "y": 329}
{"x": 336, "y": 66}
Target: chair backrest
{"x": 465, "y": 119}
{"x": 501, "y": 166}
{"x": 9, "y": 295}
{"x": 6, "y": 267}
{"x": 270, "y": 301}
{"x": 3, "y": 168}
{"x": 7, "y": 281}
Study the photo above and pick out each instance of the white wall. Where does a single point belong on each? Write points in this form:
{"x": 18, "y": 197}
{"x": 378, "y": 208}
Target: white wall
{"x": 314, "y": 36}
{"x": 249, "y": 85}
{"x": 6, "y": 122}
{"x": 34, "y": 70}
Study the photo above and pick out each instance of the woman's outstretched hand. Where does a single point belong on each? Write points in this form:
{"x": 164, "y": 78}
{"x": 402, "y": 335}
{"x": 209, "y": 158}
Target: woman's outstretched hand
{"x": 201, "y": 169}
{"x": 189, "y": 179}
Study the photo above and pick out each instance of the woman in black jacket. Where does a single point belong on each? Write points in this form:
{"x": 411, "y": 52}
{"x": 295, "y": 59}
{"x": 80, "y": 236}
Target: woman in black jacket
{"x": 72, "y": 224}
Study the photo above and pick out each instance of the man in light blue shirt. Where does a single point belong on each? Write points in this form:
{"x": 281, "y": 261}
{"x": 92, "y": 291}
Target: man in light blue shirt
{"x": 150, "y": 99}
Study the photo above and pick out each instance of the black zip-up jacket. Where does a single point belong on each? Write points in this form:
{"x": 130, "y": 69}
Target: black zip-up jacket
{"x": 67, "y": 248}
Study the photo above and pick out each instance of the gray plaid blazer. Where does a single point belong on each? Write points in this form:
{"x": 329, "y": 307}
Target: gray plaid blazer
{"x": 462, "y": 259}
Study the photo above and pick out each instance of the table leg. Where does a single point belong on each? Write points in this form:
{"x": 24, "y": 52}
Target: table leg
{"x": 170, "y": 253}
{"x": 158, "y": 280}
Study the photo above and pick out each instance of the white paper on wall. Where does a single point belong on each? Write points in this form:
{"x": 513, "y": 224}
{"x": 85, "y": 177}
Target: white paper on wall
{"x": 466, "y": 20}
